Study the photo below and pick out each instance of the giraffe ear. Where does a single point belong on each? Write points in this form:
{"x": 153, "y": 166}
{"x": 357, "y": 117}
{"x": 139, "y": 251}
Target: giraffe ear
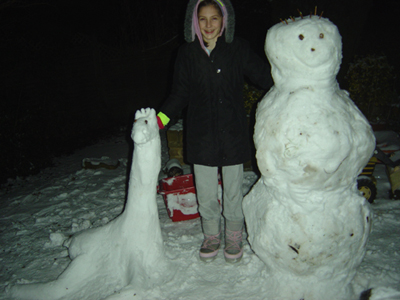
{"x": 137, "y": 114}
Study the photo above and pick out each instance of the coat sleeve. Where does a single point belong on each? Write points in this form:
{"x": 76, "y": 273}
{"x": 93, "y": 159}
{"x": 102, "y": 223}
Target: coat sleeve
{"x": 257, "y": 69}
{"x": 179, "y": 96}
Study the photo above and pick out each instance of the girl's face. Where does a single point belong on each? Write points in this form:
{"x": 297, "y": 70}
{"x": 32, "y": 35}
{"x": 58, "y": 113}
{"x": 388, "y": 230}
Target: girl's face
{"x": 210, "y": 23}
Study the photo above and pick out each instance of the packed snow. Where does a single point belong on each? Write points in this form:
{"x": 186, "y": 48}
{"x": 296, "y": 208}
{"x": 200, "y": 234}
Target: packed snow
{"x": 312, "y": 142}
{"x": 112, "y": 256}
{"x": 123, "y": 244}
{"x": 40, "y": 212}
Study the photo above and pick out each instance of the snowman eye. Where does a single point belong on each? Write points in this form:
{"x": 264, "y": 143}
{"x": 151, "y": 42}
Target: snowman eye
{"x": 301, "y": 37}
{"x": 321, "y": 35}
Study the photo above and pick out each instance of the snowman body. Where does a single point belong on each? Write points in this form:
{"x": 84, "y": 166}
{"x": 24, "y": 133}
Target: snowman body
{"x": 305, "y": 217}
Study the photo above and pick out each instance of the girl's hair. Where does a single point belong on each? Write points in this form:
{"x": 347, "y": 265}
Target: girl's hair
{"x": 205, "y": 3}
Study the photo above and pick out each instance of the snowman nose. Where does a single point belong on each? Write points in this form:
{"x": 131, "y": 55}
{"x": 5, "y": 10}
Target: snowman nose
{"x": 312, "y": 49}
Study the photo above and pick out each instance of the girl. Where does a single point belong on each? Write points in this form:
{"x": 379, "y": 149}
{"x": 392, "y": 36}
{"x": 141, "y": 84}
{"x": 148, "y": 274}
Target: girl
{"x": 208, "y": 80}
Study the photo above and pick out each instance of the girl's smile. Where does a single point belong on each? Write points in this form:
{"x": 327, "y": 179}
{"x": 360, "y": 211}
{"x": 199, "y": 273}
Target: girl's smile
{"x": 210, "y": 23}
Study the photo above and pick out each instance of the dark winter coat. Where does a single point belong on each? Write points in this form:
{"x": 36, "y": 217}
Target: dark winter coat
{"x": 211, "y": 87}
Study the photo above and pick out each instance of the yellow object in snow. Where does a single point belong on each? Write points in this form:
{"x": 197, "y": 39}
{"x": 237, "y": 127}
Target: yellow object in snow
{"x": 394, "y": 177}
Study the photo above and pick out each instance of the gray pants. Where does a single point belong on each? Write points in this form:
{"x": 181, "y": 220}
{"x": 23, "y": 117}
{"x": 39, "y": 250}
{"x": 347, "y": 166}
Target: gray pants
{"x": 206, "y": 180}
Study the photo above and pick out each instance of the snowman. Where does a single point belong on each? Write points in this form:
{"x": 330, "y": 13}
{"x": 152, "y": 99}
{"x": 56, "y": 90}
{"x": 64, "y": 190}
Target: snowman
{"x": 305, "y": 217}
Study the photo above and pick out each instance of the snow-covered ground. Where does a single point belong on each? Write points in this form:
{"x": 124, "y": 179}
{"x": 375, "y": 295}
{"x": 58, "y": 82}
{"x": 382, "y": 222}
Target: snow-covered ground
{"x": 38, "y": 213}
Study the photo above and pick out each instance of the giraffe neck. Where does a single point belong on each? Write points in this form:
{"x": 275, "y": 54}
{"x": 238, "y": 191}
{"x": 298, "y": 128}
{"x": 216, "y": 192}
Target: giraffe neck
{"x": 146, "y": 164}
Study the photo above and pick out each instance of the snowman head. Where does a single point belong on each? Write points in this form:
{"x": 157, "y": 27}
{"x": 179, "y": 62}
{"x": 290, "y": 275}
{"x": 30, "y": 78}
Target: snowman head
{"x": 304, "y": 51}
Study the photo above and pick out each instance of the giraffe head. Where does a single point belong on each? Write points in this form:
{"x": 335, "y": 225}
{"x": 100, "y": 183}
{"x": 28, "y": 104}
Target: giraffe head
{"x": 145, "y": 128}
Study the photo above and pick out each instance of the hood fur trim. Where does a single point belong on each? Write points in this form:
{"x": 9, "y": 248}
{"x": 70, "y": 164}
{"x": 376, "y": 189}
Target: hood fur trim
{"x": 229, "y": 22}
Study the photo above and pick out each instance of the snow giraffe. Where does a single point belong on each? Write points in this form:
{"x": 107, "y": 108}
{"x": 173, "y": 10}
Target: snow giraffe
{"x": 128, "y": 250}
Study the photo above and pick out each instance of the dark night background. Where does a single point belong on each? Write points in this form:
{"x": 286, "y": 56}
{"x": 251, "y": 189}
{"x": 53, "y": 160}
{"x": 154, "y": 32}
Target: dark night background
{"x": 76, "y": 71}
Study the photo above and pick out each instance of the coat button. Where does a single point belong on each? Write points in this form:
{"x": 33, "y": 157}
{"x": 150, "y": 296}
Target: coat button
{"x": 220, "y": 100}
{"x": 218, "y": 70}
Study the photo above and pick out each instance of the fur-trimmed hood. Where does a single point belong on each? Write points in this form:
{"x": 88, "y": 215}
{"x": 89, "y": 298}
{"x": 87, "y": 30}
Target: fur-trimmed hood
{"x": 229, "y": 20}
